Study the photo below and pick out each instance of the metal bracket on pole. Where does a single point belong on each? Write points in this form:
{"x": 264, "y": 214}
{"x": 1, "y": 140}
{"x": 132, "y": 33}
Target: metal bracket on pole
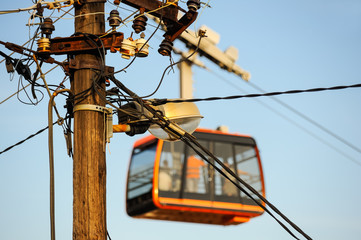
{"x": 108, "y": 117}
{"x": 91, "y": 107}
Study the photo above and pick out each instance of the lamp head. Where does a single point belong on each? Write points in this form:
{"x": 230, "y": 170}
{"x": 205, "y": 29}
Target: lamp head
{"x": 185, "y": 117}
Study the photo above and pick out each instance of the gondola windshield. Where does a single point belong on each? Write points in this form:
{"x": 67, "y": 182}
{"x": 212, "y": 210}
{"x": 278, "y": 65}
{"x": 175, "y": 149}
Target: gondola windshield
{"x": 168, "y": 179}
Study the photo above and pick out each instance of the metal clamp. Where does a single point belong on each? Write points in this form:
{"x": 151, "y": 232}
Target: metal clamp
{"x": 108, "y": 118}
{"x": 91, "y": 107}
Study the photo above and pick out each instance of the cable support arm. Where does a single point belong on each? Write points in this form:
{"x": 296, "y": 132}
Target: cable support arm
{"x": 20, "y": 49}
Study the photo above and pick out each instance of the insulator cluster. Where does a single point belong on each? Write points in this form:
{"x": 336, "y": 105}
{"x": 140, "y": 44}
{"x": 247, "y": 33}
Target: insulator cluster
{"x": 166, "y": 47}
{"x": 47, "y": 29}
{"x": 138, "y": 47}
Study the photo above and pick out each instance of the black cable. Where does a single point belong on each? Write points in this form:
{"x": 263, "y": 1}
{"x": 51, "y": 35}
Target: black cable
{"x": 187, "y": 138}
{"x": 21, "y": 86}
{"x": 171, "y": 65}
{"x": 312, "y": 121}
{"x": 29, "y": 137}
{"x": 82, "y": 95}
{"x": 190, "y": 141}
{"x": 163, "y": 101}
{"x": 135, "y": 97}
{"x": 333, "y": 147}
{"x": 108, "y": 235}
{"x": 101, "y": 54}
{"x": 164, "y": 124}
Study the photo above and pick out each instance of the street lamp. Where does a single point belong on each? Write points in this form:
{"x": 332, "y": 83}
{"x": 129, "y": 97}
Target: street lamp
{"x": 178, "y": 118}
{"x": 184, "y": 117}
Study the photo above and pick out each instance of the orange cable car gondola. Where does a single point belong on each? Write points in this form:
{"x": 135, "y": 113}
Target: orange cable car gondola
{"x": 169, "y": 181}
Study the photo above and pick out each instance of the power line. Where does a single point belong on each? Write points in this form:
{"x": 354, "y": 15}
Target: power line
{"x": 188, "y": 139}
{"x": 335, "y": 148}
{"x": 194, "y": 144}
{"x": 312, "y": 121}
{"x": 162, "y": 101}
{"x": 29, "y": 137}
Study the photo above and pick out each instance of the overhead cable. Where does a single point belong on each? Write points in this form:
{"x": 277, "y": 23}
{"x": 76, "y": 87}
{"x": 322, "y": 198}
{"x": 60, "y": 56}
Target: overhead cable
{"x": 175, "y": 63}
{"x": 190, "y": 141}
{"x": 172, "y": 129}
{"x": 312, "y": 121}
{"x": 163, "y": 101}
{"x": 333, "y": 147}
{"x": 24, "y": 140}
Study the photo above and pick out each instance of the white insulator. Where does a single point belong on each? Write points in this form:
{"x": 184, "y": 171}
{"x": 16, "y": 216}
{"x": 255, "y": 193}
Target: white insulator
{"x": 142, "y": 47}
{"x": 128, "y": 48}
{"x": 43, "y": 45}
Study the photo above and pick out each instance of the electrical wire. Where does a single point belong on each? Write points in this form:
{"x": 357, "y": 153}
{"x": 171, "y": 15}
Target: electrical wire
{"x": 67, "y": 12}
{"x": 179, "y": 133}
{"x": 190, "y": 140}
{"x": 195, "y": 23}
{"x": 142, "y": 14}
{"x": 162, "y": 101}
{"x": 335, "y": 148}
{"x": 19, "y": 90}
{"x": 254, "y": 95}
{"x": 26, "y": 139}
{"x": 324, "y": 129}
{"x": 171, "y": 65}
{"x": 141, "y": 48}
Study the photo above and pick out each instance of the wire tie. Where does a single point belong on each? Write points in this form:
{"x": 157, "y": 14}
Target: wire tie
{"x": 60, "y": 121}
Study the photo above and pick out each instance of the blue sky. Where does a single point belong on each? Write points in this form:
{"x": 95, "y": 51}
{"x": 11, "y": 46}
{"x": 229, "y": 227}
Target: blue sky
{"x": 285, "y": 45}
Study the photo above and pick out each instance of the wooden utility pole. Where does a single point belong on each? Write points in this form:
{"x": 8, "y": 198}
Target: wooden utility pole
{"x": 89, "y": 167}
